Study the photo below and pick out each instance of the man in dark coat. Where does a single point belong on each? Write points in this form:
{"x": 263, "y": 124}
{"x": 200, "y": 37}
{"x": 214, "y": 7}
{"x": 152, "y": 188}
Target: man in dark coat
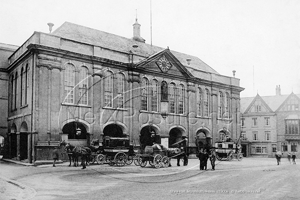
{"x": 55, "y": 155}
{"x": 203, "y": 157}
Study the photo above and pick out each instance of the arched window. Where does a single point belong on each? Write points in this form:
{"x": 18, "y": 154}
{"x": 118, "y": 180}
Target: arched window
{"x": 220, "y": 105}
{"x": 199, "y": 102}
{"x": 181, "y": 95}
{"x": 22, "y": 86}
{"x": 154, "y": 95}
{"x": 108, "y": 89}
{"x": 69, "y": 83}
{"x": 144, "y": 94}
{"x": 120, "y": 90}
{"x": 83, "y": 86}
{"x": 206, "y": 103}
{"x": 172, "y": 93}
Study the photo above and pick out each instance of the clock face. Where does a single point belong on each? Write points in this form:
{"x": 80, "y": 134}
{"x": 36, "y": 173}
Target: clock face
{"x": 164, "y": 64}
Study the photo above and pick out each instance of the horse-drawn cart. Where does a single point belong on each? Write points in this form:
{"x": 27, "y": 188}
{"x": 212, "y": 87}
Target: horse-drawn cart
{"x": 116, "y": 151}
{"x": 228, "y": 151}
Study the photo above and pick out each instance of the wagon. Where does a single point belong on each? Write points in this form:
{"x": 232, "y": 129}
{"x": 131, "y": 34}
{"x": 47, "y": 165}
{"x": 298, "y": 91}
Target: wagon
{"x": 116, "y": 151}
{"x": 228, "y": 151}
{"x": 158, "y": 156}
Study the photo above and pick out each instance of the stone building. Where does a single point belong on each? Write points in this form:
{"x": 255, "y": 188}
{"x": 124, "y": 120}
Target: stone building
{"x": 78, "y": 84}
{"x": 270, "y": 123}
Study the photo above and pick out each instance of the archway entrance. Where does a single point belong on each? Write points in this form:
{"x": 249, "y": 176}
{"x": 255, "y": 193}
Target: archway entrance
{"x": 175, "y": 135}
{"x": 113, "y": 130}
{"x": 203, "y": 139}
{"x": 13, "y": 141}
{"x": 145, "y": 136}
{"x": 23, "y": 141}
{"x": 75, "y": 130}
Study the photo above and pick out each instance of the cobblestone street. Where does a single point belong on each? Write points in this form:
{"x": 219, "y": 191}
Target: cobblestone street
{"x": 247, "y": 179}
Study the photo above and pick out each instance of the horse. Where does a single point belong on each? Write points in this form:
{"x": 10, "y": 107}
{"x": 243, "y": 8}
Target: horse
{"x": 74, "y": 152}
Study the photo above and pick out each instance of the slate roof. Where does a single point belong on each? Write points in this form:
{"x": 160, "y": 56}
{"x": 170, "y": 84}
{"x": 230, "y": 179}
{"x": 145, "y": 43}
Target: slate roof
{"x": 107, "y": 40}
{"x": 274, "y": 102}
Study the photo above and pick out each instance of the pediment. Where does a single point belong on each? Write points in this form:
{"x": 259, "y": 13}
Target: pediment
{"x": 164, "y": 62}
{"x": 258, "y": 105}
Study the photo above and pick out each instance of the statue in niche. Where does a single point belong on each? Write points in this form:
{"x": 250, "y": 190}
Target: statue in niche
{"x": 164, "y": 91}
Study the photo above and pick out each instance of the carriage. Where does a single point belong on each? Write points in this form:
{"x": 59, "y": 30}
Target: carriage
{"x": 226, "y": 151}
{"x": 116, "y": 151}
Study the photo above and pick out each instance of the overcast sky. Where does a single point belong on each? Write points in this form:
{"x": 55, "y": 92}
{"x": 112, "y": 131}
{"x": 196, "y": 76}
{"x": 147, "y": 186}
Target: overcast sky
{"x": 260, "y": 39}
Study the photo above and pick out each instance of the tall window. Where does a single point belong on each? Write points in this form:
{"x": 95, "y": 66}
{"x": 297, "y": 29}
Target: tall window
{"x": 154, "y": 96}
{"x": 108, "y": 89}
{"x": 274, "y": 147}
{"x": 220, "y": 104}
{"x": 15, "y": 91}
{"x": 268, "y": 135}
{"x": 69, "y": 83}
{"x": 284, "y": 147}
{"x": 254, "y": 121}
{"x": 83, "y": 86}
{"x": 144, "y": 94}
{"x": 255, "y": 135}
{"x": 199, "y": 102}
{"x": 12, "y": 92}
{"x": 267, "y": 121}
{"x": 206, "y": 103}
{"x": 181, "y": 93}
{"x": 26, "y": 84}
{"x": 120, "y": 90}
{"x": 172, "y": 89}
{"x": 292, "y": 126}
{"x": 22, "y": 86}
{"x": 227, "y": 106}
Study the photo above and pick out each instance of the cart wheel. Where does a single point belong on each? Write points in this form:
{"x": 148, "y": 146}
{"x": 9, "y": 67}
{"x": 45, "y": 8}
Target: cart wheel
{"x": 142, "y": 162}
{"x": 136, "y": 160}
{"x": 165, "y": 162}
{"x": 129, "y": 160}
{"x": 218, "y": 157}
{"x": 120, "y": 159}
{"x": 240, "y": 157}
{"x": 157, "y": 161}
{"x": 100, "y": 159}
{"x": 92, "y": 159}
{"x": 230, "y": 157}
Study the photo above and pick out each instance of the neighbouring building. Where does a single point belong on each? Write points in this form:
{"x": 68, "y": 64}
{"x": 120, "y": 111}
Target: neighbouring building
{"x": 78, "y": 78}
{"x": 270, "y": 123}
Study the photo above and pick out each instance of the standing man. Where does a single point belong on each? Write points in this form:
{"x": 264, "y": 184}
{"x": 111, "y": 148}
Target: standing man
{"x": 55, "y": 156}
{"x": 294, "y": 157}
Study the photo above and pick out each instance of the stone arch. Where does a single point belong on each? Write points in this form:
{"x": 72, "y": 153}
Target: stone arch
{"x": 23, "y": 142}
{"x": 203, "y": 137}
{"x": 145, "y": 135}
{"x": 114, "y": 130}
{"x": 176, "y": 134}
{"x": 75, "y": 130}
{"x": 13, "y": 142}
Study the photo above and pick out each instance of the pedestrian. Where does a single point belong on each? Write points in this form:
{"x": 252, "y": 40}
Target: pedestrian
{"x": 294, "y": 157}
{"x": 289, "y": 157}
{"x": 55, "y": 156}
{"x": 278, "y": 156}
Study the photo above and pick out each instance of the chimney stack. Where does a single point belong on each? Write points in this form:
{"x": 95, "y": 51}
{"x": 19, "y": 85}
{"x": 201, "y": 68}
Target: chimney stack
{"x": 278, "y": 90}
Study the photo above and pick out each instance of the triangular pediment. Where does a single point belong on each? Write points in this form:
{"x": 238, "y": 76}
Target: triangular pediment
{"x": 164, "y": 62}
{"x": 258, "y": 105}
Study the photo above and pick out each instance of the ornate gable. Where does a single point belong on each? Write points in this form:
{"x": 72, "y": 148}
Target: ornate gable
{"x": 164, "y": 62}
{"x": 292, "y": 103}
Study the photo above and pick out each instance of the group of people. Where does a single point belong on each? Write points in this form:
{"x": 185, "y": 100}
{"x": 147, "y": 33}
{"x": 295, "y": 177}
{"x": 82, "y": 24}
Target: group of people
{"x": 290, "y": 156}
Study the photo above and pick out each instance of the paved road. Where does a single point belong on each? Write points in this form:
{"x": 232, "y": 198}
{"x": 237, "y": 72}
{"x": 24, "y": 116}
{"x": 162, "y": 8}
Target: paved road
{"x": 250, "y": 178}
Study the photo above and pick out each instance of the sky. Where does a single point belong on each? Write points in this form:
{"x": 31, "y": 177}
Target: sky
{"x": 259, "y": 39}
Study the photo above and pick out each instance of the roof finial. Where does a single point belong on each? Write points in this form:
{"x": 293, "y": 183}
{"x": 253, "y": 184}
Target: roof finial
{"x": 136, "y": 15}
